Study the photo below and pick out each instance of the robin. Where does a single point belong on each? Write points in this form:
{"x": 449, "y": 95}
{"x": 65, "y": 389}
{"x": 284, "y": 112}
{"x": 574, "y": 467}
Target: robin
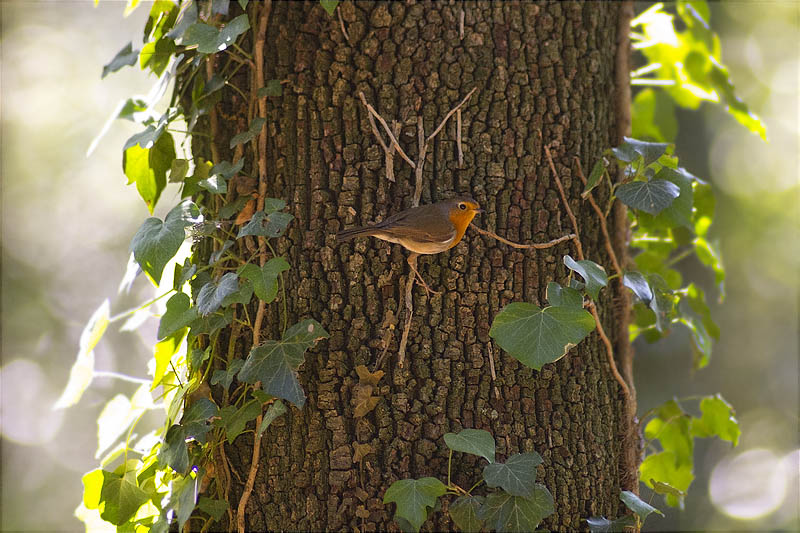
{"x": 427, "y": 229}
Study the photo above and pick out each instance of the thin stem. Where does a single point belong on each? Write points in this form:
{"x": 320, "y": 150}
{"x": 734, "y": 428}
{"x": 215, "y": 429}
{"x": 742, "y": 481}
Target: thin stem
{"x": 146, "y": 304}
{"x": 123, "y": 377}
{"x": 449, "y": 464}
{"x": 535, "y": 246}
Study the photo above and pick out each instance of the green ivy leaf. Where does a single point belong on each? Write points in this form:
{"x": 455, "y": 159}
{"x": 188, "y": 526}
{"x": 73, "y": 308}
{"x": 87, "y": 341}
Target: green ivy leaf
{"x": 242, "y": 295}
{"x": 464, "y": 513}
{"x": 329, "y": 5}
{"x": 173, "y": 452}
{"x": 197, "y": 416}
{"x": 156, "y": 242}
{"x": 124, "y": 58}
{"x": 214, "y": 508}
{"x": 265, "y": 278}
{"x": 412, "y": 496}
{"x": 604, "y": 525}
{"x": 235, "y": 420}
{"x": 215, "y": 185}
{"x": 252, "y": 132}
{"x": 517, "y": 476}
{"x": 272, "y": 205}
{"x": 649, "y": 151}
{"x": 157, "y": 54}
{"x": 536, "y": 336}
{"x": 665, "y": 488}
{"x": 595, "y": 176}
{"x": 636, "y": 282}
{"x": 649, "y": 196}
{"x": 663, "y": 467}
{"x": 559, "y": 296}
{"x": 264, "y": 225}
{"x": 670, "y": 425}
{"x": 212, "y": 294}
{"x": 271, "y": 88}
{"x": 679, "y": 212}
{"x": 213, "y": 322}
{"x": 663, "y": 302}
{"x": 118, "y": 494}
{"x": 718, "y": 420}
{"x": 709, "y": 255}
{"x": 179, "y": 314}
{"x": 274, "y": 411}
{"x": 203, "y": 36}
{"x": 274, "y": 363}
{"x": 701, "y": 342}
{"x": 232, "y": 30}
{"x": 228, "y": 210}
{"x": 632, "y": 502}
{"x": 178, "y": 170}
{"x": 475, "y": 441}
{"x": 653, "y": 114}
{"x": 226, "y": 169}
{"x": 82, "y": 371}
{"x": 593, "y": 275}
{"x": 183, "y": 498}
{"x": 504, "y": 512}
{"x": 225, "y": 377}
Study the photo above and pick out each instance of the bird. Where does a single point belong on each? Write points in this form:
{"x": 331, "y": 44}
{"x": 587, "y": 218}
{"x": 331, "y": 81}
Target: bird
{"x": 426, "y": 229}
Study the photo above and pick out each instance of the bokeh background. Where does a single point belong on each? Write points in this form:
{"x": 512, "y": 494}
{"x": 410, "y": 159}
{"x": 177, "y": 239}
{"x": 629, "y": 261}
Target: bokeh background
{"x": 67, "y": 220}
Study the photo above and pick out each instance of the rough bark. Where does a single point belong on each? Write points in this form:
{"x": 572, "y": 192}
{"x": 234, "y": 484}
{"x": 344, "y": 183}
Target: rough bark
{"x": 544, "y": 68}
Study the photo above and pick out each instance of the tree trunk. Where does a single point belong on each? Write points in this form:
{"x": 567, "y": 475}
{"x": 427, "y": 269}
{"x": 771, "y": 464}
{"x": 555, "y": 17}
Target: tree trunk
{"x": 545, "y": 73}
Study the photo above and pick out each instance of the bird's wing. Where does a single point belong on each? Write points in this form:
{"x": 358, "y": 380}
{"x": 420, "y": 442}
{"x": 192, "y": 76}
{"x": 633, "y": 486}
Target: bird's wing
{"x": 422, "y": 224}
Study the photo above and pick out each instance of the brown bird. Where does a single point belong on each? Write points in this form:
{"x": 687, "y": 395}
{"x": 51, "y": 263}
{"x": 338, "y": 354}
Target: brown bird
{"x": 427, "y": 229}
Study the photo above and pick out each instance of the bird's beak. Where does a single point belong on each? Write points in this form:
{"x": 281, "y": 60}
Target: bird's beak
{"x": 478, "y": 210}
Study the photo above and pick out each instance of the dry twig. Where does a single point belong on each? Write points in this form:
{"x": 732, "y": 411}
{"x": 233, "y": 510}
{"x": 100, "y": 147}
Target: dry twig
{"x": 388, "y": 131}
{"x": 535, "y": 246}
{"x": 603, "y": 225}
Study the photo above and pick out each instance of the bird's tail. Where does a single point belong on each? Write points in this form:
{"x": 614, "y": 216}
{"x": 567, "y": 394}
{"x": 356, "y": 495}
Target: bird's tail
{"x": 352, "y": 233}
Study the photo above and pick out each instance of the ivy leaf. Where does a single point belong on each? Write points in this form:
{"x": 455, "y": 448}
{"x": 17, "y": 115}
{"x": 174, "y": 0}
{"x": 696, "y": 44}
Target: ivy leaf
{"x": 183, "y": 498}
{"x": 251, "y": 133}
{"x": 118, "y": 495}
{"x": 179, "y": 314}
{"x": 632, "y": 502}
{"x": 649, "y": 151}
{"x": 220, "y": 6}
{"x": 265, "y": 278}
{"x": 649, "y": 196}
{"x": 329, "y": 5}
{"x": 203, "y": 36}
{"x": 226, "y": 169}
{"x": 173, "y": 452}
{"x": 717, "y": 420}
{"x": 232, "y": 30}
{"x": 709, "y": 255}
{"x": 124, "y": 58}
{"x": 701, "y": 342}
{"x": 412, "y": 496}
{"x": 559, "y": 296}
{"x": 156, "y": 242}
{"x": 670, "y": 425}
{"x": 196, "y": 418}
{"x": 475, "y": 441}
{"x": 504, "y": 512}
{"x": 516, "y": 476}
{"x": 595, "y": 176}
{"x": 274, "y": 411}
{"x": 604, "y": 525}
{"x": 663, "y": 467}
{"x": 212, "y": 294}
{"x": 163, "y": 352}
{"x": 157, "y": 55}
{"x": 235, "y": 420}
{"x": 679, "y": 212}
{"x": 653, "y": 116}
{"x": 697, "y": 302}
{"x": 272, "y": 205}
{"x": 82, "y": 371}
{"x": 665, "y": 488}
{"x": 225, "y": 377}
{"x": 636, "y": 282}
{"x": 464, "y": 513}
{"x": 215, "y": 184}
{"x": 209, "y": 324}
{"x": 272, "y": 88}
{"x": 177, "y": 170}
{"x": 274, "y": 363}
{"x": 536, "y": 336}
{"x": 230, "y": 209}
{"x": 271, "y": 226}
{"x": 214, "y": 508}
{"x": 593, "y": 274}
{"x": 663, "y": 302}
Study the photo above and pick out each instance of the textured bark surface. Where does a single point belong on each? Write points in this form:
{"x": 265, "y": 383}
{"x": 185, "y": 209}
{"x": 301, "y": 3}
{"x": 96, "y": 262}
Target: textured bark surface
{"x": 546, "y": 68}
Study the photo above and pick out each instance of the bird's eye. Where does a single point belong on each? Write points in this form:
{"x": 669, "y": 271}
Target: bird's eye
{"x": 462, "y": 206}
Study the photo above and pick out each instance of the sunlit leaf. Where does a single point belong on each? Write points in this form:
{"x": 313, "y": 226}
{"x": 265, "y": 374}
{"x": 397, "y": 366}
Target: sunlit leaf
{"x": 475, "y": 441}
{"x": 173, "y": 452}
{"x": 413, "y": 496}
{"x": 717, "y": 420}
{"x": 653, "y": 116}
{"x": 274, "y": 363}
{"x": 117, "y": 495}
{"x": 179, "y": 314}
{"x": 663, "y": 467}
{"x": 537, "y": 336}
{"x": 636, "y": 282}
{"x": 329, "y": 5}
{"x": 82, "y": 371}
{"x": 163, "y": 353}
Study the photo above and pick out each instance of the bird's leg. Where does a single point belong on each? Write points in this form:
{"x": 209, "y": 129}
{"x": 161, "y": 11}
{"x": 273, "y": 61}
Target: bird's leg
{"x": 412, "y": 262}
